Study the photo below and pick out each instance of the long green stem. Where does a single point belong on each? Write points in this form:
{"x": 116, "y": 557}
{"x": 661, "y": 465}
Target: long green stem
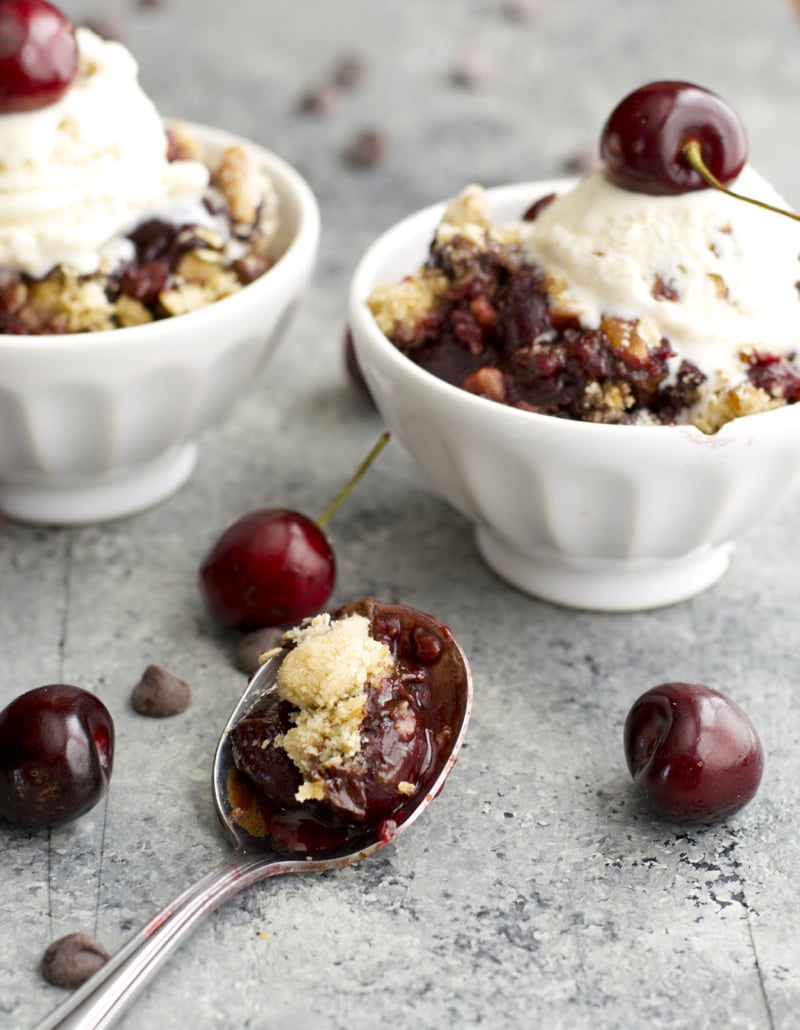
{"x": 383, "y": 439}
{"x": 693, "y": 156}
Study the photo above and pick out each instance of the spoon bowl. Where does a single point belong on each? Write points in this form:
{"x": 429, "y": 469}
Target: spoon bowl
{"x": 259, "y": 854}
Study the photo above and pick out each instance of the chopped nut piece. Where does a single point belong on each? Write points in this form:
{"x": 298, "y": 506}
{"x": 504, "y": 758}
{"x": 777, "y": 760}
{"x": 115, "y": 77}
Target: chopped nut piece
{"x": 130, "y": 311}
{"x": 623, "y": 335}
{"x": 239, "y": 179}
{"x": 487, "y": 382}
{"x": 720, "y": 286}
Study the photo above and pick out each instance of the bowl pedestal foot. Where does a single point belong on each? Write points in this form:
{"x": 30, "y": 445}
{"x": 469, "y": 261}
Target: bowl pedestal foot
{"x": 608, "y": 585}
{"x": 74, "y": 500}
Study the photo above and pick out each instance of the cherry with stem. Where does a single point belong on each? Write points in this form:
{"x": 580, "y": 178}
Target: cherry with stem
{"x": 274, "y": 566}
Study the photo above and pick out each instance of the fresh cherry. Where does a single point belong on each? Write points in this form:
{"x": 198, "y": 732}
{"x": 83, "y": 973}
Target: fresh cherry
{"x": 38, "y": 55}
{"x": 273, "y": 566}
{"x": 693, "y": 753}
{"x": 270, "y": 567}
{"x": 643, "y": 143}
{"x": 56, "y": 755}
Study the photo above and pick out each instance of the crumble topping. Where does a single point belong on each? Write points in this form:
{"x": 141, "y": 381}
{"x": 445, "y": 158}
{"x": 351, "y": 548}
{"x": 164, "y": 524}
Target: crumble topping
{"x": 326, "y": 676}
{"x": 398, "y": 309}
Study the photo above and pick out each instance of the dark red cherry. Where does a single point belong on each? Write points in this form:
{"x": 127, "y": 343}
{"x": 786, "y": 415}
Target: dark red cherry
{"x": 271, "y": 567}
{"x": 56, "y": 755}
{"x": 693, "y": 753}
{"x": 642, "y": 142}
{"x": 38, "y": 55}
{"x": 274, "y": 566}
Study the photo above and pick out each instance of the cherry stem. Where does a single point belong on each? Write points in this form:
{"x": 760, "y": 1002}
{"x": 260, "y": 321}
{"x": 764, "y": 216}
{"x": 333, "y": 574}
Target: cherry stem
{"x": 693, "y": 156}
{"x": 383, "y": 439}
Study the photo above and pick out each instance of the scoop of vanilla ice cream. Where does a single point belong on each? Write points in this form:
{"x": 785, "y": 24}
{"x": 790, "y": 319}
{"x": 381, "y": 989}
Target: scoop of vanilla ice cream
{"x": 709, "y": 272}
{"x": 79, "y": 173}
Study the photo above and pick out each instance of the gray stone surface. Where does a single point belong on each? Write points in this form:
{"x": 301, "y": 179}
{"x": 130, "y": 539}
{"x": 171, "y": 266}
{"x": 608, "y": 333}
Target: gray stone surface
{"x": 537, "y": 889}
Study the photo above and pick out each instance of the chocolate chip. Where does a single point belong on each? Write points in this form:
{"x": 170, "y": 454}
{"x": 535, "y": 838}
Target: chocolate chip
{"x": 368, "y": 148}
{"x": 160, "y": 693}
{"x": 349, "y": 72}
{"x": 253, "y": 645}
{"x": 322, "y": 99}
{"x": 326, "y": 96}
{"x": 71, "y": 960}
{"x": 471, "y": 71}
{"x": 519, "y": 10}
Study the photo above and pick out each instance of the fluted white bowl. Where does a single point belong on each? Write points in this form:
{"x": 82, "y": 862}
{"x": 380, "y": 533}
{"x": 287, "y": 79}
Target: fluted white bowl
{"x": 604, "y": 517}
{"x": 96, "y": 426}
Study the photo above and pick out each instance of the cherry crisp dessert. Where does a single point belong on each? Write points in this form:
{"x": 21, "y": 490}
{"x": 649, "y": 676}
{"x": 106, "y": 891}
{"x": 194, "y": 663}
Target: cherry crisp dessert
{"x": 482, "y": 314}
{"x": 174, "y": 269}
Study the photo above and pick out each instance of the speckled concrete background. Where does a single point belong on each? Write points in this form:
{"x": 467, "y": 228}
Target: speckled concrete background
{"x": 537, "y": 889}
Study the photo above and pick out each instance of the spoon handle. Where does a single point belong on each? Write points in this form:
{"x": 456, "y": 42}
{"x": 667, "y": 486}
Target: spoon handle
{"x": 101, "y": 999}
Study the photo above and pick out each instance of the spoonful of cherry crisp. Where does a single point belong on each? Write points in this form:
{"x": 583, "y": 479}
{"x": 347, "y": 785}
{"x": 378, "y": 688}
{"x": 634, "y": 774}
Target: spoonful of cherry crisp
{"x": 343, "y": 737}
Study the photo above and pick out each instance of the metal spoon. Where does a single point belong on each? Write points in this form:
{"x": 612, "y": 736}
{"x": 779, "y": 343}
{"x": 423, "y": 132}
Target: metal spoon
{"x": 100, "y": 1001}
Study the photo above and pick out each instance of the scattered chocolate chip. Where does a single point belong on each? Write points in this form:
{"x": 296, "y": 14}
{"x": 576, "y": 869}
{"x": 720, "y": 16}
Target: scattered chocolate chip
{"x": 253, "y": 645}
{"x": 368, "y": 148}
{"x": 349, "y": 72}
{"x": 322, "y": 99}
{"x": 471, "y": 71}
{"x": 518, "y": 10}
{"x": 160, "y": 693}
{"x": 71, "y": 960}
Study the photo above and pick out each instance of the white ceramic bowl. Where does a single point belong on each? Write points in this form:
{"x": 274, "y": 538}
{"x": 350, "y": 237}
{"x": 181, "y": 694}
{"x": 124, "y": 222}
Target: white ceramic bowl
{"x": 95, "y": 426}
{"x": 605, "y": 517}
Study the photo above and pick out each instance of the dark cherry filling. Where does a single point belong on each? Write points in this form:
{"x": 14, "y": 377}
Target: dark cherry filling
{"x": 497, "y": 334}
{"x": 407, "y": 724}
{"x": 778, "y": 375}
{"x": 159, "y": 246}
